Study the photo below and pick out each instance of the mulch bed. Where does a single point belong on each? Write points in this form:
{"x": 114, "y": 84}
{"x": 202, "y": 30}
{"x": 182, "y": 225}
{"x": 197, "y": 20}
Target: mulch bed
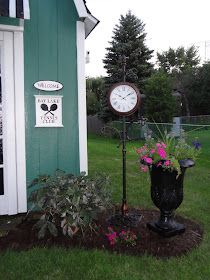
{"x": 22, "y": 237}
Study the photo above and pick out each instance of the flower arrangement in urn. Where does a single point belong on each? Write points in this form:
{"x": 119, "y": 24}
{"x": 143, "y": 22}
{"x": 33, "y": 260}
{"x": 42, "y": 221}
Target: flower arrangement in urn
{"x": 167, "y": 152}
{"x": 167, "y": 160}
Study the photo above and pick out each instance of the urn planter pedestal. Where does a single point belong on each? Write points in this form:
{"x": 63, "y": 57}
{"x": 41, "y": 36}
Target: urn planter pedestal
{"x": 167, "y": 195}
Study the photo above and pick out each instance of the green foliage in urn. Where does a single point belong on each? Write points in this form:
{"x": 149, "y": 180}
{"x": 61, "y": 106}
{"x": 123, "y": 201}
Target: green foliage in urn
{"x": 69, "y": 202}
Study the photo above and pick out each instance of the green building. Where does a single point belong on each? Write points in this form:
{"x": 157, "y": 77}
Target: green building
{"x": 43, "y": 95}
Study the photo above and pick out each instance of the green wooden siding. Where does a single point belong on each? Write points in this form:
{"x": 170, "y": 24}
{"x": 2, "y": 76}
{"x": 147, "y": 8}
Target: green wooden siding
{"x": 9, "y": 21}
{"x": 50, "y": 54}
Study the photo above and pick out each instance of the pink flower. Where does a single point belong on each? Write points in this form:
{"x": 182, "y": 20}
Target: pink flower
{"x": 152, "y": 151}
{"x": 159, "y": 164}
{"x": 144, "y": 168}
{"x": 112, "y": 237}
{"x": 163, "y": 145}
{"x": 144, "y": 157}
{"x": 139, "y": 151}
{"x": 167, "y": 162}
{"x": 148, "y": 160}
{"x": 158, "y": 145}
{"x": 162, "y": 153}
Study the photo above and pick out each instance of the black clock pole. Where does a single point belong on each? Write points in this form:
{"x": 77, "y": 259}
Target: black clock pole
{"x": 124, "y": 218}
{"x": 124, "y": 207}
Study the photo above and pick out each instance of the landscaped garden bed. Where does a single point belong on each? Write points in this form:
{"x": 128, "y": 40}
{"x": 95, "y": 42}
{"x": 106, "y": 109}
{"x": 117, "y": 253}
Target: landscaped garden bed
{"x": 57, "y": 262}
{"x": 23, "y": 237}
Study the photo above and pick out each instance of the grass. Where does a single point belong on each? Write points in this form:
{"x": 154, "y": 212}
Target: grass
{"x": 104, "y": 156}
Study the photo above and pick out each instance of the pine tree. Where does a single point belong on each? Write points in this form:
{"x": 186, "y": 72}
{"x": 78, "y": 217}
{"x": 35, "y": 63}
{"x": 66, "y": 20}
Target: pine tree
{"x": 129, "y": 41}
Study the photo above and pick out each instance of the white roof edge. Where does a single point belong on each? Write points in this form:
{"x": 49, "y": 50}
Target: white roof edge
{"x": 81, "y": 9}
{"x": 89, "y": 20}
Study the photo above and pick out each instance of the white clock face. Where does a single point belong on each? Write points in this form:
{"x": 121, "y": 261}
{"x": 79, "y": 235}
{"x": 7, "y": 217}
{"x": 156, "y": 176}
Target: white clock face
{"x": 123, "y": 98}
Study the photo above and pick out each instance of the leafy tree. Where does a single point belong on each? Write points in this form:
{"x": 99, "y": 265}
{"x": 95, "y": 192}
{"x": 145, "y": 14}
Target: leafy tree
{"x": 180, "y": 63}
{"x": 93, "y": 104}
{"x": 178, "y": 60}
{"x": 95, "y": 91}
{"x": 199, "y": 90}
{"x": 128, "y": 41}
{"x": 160, "y": 103}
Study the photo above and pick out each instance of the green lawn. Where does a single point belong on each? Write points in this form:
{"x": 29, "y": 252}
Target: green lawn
{"x": 104, "y": 156}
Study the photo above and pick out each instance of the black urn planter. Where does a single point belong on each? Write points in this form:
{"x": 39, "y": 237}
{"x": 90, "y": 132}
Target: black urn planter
{"x": 167, "y": 195}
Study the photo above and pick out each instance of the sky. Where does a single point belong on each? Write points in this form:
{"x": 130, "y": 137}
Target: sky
{"x": 168, "y": 23}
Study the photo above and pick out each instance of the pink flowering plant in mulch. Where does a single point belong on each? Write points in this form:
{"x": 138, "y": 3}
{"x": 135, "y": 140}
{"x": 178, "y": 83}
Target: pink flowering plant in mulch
{"x": 124, "y": 236}
{"x": 166, "y": 152}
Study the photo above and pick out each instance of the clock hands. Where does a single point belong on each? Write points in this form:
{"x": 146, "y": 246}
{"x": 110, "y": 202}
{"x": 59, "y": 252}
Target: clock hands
{"x": 127, "y": 95}
{"x": 118, "y": 95}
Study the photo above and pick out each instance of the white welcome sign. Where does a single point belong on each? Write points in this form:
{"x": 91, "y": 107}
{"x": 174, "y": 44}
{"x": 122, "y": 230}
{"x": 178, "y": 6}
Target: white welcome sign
{"x": 48, "y": 85}
{"x": 48, "y": 111}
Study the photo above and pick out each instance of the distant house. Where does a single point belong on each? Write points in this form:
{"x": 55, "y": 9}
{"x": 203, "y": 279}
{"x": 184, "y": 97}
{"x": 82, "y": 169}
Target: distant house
{"x": 43, "y": 95}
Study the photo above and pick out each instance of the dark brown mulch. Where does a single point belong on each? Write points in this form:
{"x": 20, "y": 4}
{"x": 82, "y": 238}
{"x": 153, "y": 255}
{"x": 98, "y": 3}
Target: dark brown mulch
{"x": 22, "y": 237}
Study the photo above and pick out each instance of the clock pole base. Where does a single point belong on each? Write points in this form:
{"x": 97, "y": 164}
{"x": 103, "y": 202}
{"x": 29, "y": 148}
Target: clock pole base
{"x": 128, "y": 220}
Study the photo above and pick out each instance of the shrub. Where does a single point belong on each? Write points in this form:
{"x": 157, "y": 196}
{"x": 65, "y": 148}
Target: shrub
{"x": 70, "y": 202}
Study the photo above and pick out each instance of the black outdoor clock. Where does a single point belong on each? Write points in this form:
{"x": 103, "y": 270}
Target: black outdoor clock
{"x": 124, "y": 98}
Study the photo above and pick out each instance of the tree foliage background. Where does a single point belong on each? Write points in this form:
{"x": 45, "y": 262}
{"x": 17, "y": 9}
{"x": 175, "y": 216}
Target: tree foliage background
{"x": 181, "y": 64}
{"x": 95, "y": 92}
{"x": 160, "y": 104}
{"x": 178, "y": 70}
{"x": 199, "y": 90}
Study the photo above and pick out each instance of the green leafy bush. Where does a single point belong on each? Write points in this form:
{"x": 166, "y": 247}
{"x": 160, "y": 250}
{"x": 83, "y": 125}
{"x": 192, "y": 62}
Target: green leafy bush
{"x": 70, "y": 202}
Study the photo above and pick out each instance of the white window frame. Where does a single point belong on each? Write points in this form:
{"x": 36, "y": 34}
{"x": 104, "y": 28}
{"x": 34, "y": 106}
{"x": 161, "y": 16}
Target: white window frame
{"x": 15, "y": 196}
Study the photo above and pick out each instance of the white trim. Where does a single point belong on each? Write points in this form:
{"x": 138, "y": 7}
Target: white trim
{"x": 81, "y": 9}
{"x": 20, "y": 122}
{"x": 9, "y": 127}
{"x": 11, "y": 28}
{"x": 26, "y": 9}
{"x": 3, "y": 198}
{"x": 14, "y": 199}
{"x": 12, "y": 8}
{"x": 82, "y": 116}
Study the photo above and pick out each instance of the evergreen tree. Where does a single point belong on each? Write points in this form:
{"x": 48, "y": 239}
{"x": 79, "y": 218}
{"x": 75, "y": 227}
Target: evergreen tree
{"x": 128, "y": 41}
